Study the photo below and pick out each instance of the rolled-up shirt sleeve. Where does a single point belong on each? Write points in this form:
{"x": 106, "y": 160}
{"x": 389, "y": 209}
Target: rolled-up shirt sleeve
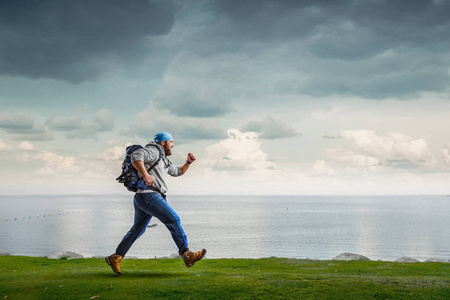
{"x": 174, "y": 170}
{"x": 145, "y": 155}
{"x": 137, "y": 155}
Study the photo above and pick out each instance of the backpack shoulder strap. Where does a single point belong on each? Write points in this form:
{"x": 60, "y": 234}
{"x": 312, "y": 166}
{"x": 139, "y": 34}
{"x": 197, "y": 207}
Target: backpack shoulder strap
{"x": 160, "y": 156}
{"x": 158, "y": 148}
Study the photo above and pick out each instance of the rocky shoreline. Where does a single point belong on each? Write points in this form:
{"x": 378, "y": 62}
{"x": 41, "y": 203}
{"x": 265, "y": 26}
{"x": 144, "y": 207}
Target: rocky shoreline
{"x": 405, "y": 259}
{"x": 343, "y": 256}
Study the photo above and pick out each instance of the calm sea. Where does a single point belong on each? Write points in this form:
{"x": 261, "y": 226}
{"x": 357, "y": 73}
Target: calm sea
{"x": 318, "y": 227}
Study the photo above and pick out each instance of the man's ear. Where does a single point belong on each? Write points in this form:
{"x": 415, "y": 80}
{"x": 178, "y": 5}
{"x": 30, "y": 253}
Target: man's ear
{"x": 162, "y": 143}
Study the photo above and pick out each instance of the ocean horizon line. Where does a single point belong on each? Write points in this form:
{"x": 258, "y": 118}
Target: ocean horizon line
{"x": 229, "y": 195}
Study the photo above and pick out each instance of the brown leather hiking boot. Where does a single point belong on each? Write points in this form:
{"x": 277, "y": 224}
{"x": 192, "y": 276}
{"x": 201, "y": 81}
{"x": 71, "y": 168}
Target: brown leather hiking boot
{"x": 191, "y": 257}
{"x": 114, "y": 262}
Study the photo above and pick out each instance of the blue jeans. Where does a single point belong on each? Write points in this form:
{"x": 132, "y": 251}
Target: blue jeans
{"x": 146, "y": 206}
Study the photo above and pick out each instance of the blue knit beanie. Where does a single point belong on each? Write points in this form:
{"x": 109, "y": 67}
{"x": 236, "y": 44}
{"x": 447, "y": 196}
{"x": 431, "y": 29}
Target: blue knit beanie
{"x": 163, "y": 136}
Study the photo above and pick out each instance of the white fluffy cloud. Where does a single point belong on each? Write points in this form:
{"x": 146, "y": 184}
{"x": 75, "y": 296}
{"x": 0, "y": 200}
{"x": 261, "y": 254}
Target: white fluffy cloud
{"x": 56, "y": 164}
{"x": 26, "y": 146}
{"x": 234, "y": 165}
{"x": 321, "y": 167}
{"x": 390, "y": 146}
{"x": 106, "y": 163}
{"x": 4, "y": 146}
{"x": 446, "y": 154}
{"x": 365, "y": 150}
{"x": 240, "y": 151}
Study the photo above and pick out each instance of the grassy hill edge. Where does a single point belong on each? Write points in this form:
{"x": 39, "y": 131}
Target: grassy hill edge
{"x": 90, "y": 278}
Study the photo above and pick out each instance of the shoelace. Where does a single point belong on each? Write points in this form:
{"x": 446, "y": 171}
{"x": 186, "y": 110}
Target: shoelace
{"x": 117, "y": 257}
{"x": 186, "y": 255}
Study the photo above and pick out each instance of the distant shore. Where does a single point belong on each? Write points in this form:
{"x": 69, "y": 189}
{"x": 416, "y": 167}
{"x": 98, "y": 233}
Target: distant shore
{"x": 341, "y": 257}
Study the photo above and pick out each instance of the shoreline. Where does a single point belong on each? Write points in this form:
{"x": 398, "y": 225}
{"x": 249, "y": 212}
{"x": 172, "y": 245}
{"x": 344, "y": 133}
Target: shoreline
{"x": 346, "y": 256}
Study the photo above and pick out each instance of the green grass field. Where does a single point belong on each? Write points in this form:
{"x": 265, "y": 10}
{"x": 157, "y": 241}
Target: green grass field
{"x": 42, "y": 278}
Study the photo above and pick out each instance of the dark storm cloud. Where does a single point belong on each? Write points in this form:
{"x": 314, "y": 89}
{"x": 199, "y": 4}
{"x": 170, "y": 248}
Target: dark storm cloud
{"x": 390, "y": 21}
{"x": 373, "y": 49}
{"x": 24, "y": 127}
{"x": 15, "y": 123}
{"x": 183, "y": 129}
{"x": 79, "y": 127}
{"x": 182, "y": 134}
{"x": 270, "y": 129}
{"x": 199, "y": 87}
{"x": 77, "y": 40}
{"x": 331, "y": 137}
{"x": 67, "y": 124}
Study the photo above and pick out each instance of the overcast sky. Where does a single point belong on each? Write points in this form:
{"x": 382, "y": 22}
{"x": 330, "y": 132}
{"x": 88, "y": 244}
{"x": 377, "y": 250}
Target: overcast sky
{"x": 274, "y": 97}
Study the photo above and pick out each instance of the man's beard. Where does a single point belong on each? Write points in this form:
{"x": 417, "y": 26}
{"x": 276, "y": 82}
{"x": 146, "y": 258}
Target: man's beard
{"x": 167, "y": 150}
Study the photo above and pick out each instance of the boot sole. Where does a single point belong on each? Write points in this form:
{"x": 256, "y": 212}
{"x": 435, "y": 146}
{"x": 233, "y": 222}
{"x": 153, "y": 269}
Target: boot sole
{"x": 109, "y": 263}
{"x": 203, "y": 255}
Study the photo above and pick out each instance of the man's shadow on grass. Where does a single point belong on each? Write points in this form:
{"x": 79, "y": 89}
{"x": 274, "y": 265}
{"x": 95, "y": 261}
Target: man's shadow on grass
{"x": 141, "y": 274}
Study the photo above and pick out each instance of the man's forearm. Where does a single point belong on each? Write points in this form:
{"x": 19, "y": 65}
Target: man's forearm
{"x": 139, "y": 165}
{"x": 184, "y": 167}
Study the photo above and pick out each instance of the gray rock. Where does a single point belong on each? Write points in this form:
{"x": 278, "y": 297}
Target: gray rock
{"x": 350, "y": 256}
{"x": 175, "y": 255}
{"x": 65, "y": 254}
{"x": 407, "y": 260}
{"x": 5, "y": 254}
{"x": 438, "y": 260}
